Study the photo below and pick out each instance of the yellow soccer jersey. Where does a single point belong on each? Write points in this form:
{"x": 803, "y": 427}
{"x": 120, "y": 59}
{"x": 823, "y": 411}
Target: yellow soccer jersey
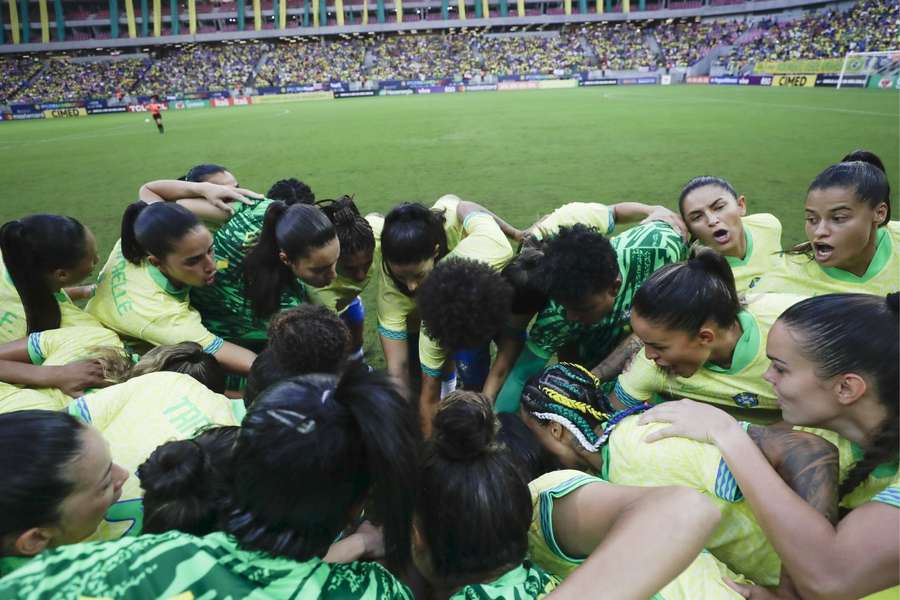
{"x": 739, "y": 387}
{"x": 14, "y": 398}
{"x": 702, "y": 578}
{"x": 478, "y": 237}
{"x": 763, "y": 234}
{"x": 140, "y": 303}
{"x": 594, "y": 215}
{"x": 343, "y": 290}
{"x": 800, "y": 274}
{"x": 69, "y": 344}
{"x": 889, "y": 495}
{"x": 738, "y": 541}
{"x": 12, "y": 314}
{"x": 137, "y": 416}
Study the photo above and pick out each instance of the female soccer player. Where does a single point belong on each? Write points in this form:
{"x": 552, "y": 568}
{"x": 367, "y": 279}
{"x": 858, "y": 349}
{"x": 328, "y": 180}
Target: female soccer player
{"x": 360, "y": 248}
{"x": 41, "y": 256}
{"x": 211, "y": 173}
{"x": 835, "y": 365}
{"x": 568, "y": 413}
{"x": 59, "y": 480}
{"x": 853, "y": 246}
{"x": 144, "y": 288}
{"x": 310, "y": 454}
{"x": 700, "y": 341}
{"x": 413, "y": 240}
{"x": 717, "y": 217}
{"x": 590, "y": 281}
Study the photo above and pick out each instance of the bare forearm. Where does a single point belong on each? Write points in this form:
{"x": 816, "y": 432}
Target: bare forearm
{"x": 234, "y": 358}
{"x": 508, "y": 351}
{"x": 629, "y": 212}
{"x": 614, "y": 364}
{"x": 168, "y": 190}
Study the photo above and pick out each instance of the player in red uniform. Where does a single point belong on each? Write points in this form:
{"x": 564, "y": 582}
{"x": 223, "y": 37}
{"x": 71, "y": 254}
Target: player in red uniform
{"x": 155, "y": 107}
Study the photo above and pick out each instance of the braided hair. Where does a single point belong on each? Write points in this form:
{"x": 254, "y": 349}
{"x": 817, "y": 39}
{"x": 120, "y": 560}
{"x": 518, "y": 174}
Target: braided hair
{"x": 570, "y": 395}
{"x": 353, "y": 230}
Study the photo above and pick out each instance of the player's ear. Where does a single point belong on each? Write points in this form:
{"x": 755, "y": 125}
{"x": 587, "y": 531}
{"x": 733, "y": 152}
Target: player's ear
{"x": 153, "y": 261}
{"x": 742, "y": 205}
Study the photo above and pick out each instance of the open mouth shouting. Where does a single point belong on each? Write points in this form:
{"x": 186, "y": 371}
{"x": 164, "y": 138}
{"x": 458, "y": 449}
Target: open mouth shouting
{"x": 822, "y": 251}
{"x": 722, "y": 236}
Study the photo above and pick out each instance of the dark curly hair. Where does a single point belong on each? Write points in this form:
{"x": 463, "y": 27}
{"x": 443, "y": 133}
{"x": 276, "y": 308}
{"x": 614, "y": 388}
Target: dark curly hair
{"x": 308, "y": 339}
{"x": 353, "y": 230}
{"x": 291, "y": 191}
{"x": 577, "y": 262}
{"x": 463, "y": 303}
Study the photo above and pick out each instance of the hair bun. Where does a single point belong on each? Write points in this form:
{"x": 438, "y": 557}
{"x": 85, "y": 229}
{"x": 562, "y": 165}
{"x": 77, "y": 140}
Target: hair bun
{"x": 893, "y": 302}
{"x": 174, "y": 470}
{"x": 464, "y": 427}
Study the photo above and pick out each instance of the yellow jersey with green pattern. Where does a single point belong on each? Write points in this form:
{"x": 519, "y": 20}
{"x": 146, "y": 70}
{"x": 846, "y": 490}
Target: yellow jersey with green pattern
{"x": 144, "y": 307}
{"x": 477, "y": 237}
{"x": 593, "y": 214}
{"x": 343, "y": 290}
{"x": 884, "y": 488}
{"x": 225, "y": 310}
{"x": 525, "y": 582}
{"x": 701, "y": 579}
{"x": 740, "y": 386}
{"x": 137, "y": 416}
{"x": 639, "y": 251}
{"x": 178, "y": 566}
{"x": 763, "y": 234}
{"x": 800, "y": 274}
{"x": 13, "y": 324}
{"x": 66, "y": 345}
{"x": 738, "y": 541}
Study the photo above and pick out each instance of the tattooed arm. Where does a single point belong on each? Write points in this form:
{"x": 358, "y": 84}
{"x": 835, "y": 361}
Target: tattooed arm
{"x": 610, "y": 367}
{"x": 806, "y": 462}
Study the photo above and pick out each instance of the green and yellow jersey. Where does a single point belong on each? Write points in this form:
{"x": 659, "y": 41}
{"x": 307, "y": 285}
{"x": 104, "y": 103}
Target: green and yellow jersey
{"x": 525, "y": 582}
{"x": 223, "y": 306}
{"x": 177, "y": 566}
{"x": 701, "y": 579}
{"x": 801, "y": 274}
{"x": 14, "y": 398}
{"x": 343, "y": 290}
{"x": 763, "y": 234}
{"x": 13, "y": 324}
{"x": 737, "y": 388}
{"x": 141, "y": 304}
{"x": 593, "y": 214}
{"x": 137, "y": 416}
{"x": 478, "y": 237}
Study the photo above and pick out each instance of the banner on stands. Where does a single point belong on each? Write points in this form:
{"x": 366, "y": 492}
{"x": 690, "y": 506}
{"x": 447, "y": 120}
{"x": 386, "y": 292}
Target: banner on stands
{"x": 27, "y": 116}
{"x": 95, "y": 104}
{"x": 882, "y": 82}
{"x": 297, "y": 97}
{"x": 59, "y": 105}
{"x": 188, "y": 104}
{"x": 356, "y": 94}
{"x": 637, "y": 81}
{"x": 25, "y": 109}
{"x": 397, "y": 92}
{"x": 106, "y": 110}
{"x": 665, "y": 80}
{"x": 556, "y": 84}
{"x": 755, "y": 80}
{"x": 594, "y": 82}
{"x": 437, "y": 89}
{"x": 701, "y": 79}
{"x": 509, "y": 86}
{"x": 814, "y": 65}
{"x": 723, "y": 80}
{"x": 220, "y": 102}
{"x": 482, "y": 87}
{"x": 143, "y": 108}
{"x": 65, "y": 113}
{"x": 831, "y": 80}
{"x": 796, "y": 80}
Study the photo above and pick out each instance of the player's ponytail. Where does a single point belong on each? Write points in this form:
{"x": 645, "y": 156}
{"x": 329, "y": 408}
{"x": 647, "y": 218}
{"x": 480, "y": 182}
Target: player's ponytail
{"x": 354, "y": 231}
{"x": 465, "y": 471}
{"x": 153, "y": 229}
{"x": 855, "y": 333}
{"x": 683, "y": 296}
{"x": 312, "y": 452}
{"x": 184, "y": 482}
{"x": 33, "y": 248}
{"x": 292, "y": 230}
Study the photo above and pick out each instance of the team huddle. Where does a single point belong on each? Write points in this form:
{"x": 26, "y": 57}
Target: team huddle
{"x": 681, "y": 410}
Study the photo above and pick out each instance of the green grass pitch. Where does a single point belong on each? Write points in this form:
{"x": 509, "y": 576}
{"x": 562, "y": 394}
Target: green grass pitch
{"x": 521, "y": 154}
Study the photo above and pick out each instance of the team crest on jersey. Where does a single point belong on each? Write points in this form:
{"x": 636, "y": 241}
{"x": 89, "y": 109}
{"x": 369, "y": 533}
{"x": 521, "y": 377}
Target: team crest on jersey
{"x": 746, "y": 400}
{"x": 754, "y": 281}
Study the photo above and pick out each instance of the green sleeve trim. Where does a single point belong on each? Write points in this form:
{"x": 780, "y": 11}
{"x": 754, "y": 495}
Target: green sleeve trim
{"x": 546, "y": 512}
{"x": 465, "y": 222}
{"x": 400, "y": 336}
{"x": 612, "y": 221}
{"x": 624, "y": 397}
{"x": 527, "y": 365}
{"x": 34, "y": 349}
{"x": 79, "y": 409}
{"x": 726, "y": 486}
{"x": 238, "y": 409}
{"x": 431, "y": 372}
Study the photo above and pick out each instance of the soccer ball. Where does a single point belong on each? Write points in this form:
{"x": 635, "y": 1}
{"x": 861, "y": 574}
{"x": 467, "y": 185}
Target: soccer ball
{"x": 146, "y": 120}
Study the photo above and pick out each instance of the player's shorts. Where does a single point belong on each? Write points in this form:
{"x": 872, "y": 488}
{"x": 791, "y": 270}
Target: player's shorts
{"x": 355, "y": 312}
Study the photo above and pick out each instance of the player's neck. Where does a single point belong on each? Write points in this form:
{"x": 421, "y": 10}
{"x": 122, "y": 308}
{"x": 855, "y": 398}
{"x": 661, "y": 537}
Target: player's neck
{"x": 722, "y": 353}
